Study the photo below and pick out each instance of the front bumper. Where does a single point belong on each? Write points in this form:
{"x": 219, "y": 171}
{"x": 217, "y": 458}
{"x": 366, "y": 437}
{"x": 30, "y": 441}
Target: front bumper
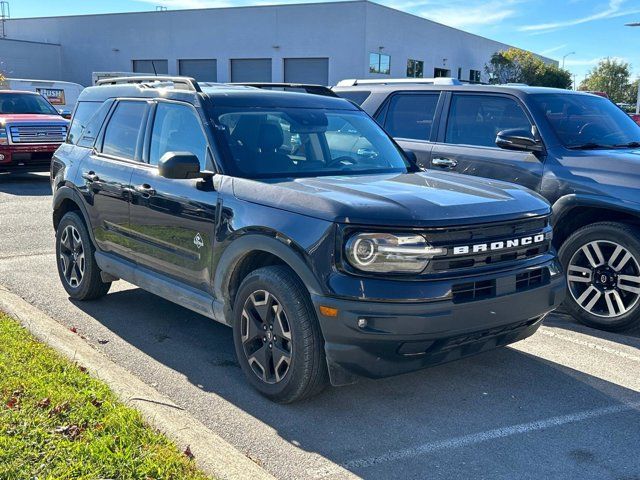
{"x": 27, "y": 157}
{"x": 379, "y": 339}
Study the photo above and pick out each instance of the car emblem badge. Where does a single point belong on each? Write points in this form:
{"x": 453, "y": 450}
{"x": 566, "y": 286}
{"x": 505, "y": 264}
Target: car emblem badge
{"x": 197, "y": 241}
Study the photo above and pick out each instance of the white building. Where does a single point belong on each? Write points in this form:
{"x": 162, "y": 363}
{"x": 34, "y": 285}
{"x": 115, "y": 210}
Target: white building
{"x": 313, "y": 43}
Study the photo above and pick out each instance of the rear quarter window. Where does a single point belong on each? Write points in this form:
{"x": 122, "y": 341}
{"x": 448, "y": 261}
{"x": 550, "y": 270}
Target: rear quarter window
{"x": 83, "y": 113}
{"x": 357, "y": 96}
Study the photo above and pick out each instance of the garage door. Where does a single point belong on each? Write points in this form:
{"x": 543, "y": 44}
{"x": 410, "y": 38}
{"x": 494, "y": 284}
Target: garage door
{"x": 306, "y": 70}
{"x": 251, "y": 70}
{"x": 159, "y": 67}
{"x": 203, "y": 70}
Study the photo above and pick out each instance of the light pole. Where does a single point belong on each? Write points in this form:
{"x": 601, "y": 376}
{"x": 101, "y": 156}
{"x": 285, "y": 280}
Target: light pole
{"x": 565, "y": 56}
{"x": 636, "y": 24}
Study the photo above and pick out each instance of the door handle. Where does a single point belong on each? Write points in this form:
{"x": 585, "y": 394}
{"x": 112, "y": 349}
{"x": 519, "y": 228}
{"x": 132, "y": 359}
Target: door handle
{"x": 91, "y": 176}
{"x": 145, "y": 189}
{"x": 444, "y": 162}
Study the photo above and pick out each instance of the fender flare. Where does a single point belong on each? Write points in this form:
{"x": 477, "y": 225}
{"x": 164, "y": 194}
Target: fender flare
{"x": 563, "y": 206}
{"x": 247, "y": 244}
{"x": 67, "y": 193}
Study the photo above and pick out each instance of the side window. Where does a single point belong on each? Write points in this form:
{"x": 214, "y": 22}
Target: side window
{"x": 121, "y": 134}
{"x": 477, "y": 119}
{"x": 411, "y": 115}
{"x": 81, "y": 116}
{"x": 177, "y": 128}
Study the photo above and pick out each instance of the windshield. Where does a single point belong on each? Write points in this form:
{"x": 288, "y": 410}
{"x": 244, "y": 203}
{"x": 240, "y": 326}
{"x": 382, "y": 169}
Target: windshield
{"x": 28, "y": 103}
{"x": 588, "y": 121}
{"x": 299, "y": 142}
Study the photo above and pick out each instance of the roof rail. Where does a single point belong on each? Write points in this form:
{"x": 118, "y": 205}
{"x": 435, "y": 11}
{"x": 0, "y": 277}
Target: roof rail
{"x": 307, "y": 87}
{"x": 153, "y": 81}
{"x": 351, "y": 82}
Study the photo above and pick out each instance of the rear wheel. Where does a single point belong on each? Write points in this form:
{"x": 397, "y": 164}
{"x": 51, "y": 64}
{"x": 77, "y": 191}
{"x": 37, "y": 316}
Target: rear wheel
{"x": 602, "y": 262}
{"x": 277, "y": 337}
{"x": 77, "y": 268}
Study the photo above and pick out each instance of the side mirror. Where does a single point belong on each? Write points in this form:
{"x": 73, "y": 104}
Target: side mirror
{"x": 179, "y": 165}
{"x": 66, "y": 114}
{"x": 518, "y": 139}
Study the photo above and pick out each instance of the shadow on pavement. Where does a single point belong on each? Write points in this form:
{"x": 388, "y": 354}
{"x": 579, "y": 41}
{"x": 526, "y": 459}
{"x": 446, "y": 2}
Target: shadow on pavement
{"x": 503, "y": 387}
{"x": 27, "y": 184}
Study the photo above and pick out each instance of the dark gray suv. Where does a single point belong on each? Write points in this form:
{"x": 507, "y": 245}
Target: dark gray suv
{"x": 580, "y": 151}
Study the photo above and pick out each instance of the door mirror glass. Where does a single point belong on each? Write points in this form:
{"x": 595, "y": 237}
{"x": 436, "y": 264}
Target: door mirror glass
{"x": 518, "y": 139}
{"x": 179, "y": 165}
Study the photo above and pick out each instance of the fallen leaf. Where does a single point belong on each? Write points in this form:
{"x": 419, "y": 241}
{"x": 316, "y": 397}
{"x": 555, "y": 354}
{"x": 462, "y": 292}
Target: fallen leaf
{"x": 12, "y": 403}
{"x": 102, "y": 342}
{"x": 187, "y": 453}
{"x": 82, "y": 369}
{"x": 96, "y": 403}
{"x": 44, "y": 403}
{"x": 70, "y": 431}
{"x": 74, "y": 329}
{"x": 63, "y": 407}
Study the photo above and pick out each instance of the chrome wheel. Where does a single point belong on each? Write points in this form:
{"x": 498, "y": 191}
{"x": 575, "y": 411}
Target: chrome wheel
{"x": 72, "y": 259}
{"x": 604, "y": 279}
{"x": 266, "y": 337}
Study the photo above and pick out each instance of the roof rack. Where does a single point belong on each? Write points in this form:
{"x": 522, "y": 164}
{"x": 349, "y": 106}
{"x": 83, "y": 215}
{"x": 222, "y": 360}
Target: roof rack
{"x": 307, "y": 87}
{"x": 154, "y": 82}
{"x": 351, "y": 82}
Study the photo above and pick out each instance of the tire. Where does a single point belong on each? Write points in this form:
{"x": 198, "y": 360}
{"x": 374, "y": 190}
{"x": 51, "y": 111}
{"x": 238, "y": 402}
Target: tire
{"x": 602, "y": 262}
{"x": 273, "y": 316}
{"x": 77, "y": 268}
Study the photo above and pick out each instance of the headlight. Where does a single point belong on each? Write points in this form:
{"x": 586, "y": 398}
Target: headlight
{"x": 387, "y": 253}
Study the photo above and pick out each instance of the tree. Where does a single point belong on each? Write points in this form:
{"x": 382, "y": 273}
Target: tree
{"x": 610, "y": 76}
{"x": 518, "y": 66}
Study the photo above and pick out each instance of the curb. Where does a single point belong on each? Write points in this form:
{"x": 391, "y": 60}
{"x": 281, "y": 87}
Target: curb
{"x": 213, "y": 455}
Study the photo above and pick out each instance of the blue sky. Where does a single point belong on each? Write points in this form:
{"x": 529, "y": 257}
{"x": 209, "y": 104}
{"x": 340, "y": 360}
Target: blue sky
{"x": 593, "y": 29}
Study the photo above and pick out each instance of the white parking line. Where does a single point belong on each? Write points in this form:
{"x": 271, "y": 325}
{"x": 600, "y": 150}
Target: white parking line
{"x": 475, "y": 438}
{"x": 585, "y": 343}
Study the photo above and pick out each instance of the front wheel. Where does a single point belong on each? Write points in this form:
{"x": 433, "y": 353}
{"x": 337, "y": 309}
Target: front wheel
{"x": 602, "y": 262}
{"x": 277, "y": 337}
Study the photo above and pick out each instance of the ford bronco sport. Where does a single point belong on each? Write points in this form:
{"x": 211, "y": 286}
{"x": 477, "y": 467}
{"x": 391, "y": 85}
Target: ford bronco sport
{"x": 578, "y": 150}
{"x": 296, "y": 220}
{"x": 31, "y": 129}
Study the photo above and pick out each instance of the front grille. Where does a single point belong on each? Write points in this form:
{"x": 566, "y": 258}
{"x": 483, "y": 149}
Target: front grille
{"x": 38, "y": 133}
{"x": 487, "y": 234}
{"x": 481, "y": 290}
{"x": 531, "y": 279}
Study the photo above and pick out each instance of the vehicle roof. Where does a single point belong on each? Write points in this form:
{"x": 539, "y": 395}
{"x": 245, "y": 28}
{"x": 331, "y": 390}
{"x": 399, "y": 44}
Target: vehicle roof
{"x": 221, "y": 94}
{"x": 29, "y": 92}
{"x": 522, "y": 89}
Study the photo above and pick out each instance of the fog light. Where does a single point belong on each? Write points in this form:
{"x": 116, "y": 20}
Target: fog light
{"x": 362, "y": 322}
{"x": 1, "y": 157}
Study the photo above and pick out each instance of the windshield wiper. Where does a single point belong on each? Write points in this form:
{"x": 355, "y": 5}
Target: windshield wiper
{"x": 591, "y": 146}
{"x": 628, "y": 145}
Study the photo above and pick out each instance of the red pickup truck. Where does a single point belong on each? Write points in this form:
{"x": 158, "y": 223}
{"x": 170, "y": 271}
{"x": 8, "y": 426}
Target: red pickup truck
{"x": 31, "y": 129}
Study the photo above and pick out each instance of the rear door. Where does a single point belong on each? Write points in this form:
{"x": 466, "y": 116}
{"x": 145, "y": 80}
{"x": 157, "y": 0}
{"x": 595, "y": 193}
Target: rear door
{"x": 467, "y": 143}
{"x": 173, "y": 221}
{"x": 106, "y": 174}
{"x": 409, "y": 117}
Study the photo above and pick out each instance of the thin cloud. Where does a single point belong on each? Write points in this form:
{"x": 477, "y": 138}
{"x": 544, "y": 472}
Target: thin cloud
{"x": 613, "y": 9}
{"x": 553, "y": 49}
{"x": 587, "y": 62}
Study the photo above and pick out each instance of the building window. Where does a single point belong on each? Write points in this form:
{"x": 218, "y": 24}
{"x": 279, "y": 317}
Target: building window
{"x": 203, "y": 70}
{"x": 379, "y": 63}
{"x": 152, "y": 67}
{"x": 474, "y": 76}
{"x": 459, "y": 73}
{"x": 415, "y": 68}
{"x": 441, "y": 72}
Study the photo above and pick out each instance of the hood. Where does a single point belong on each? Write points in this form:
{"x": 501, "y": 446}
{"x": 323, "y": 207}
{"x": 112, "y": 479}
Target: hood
{"x": 411, "y": 199}
{"x": 30, "y": 118}
{"x": 614, "y": 173}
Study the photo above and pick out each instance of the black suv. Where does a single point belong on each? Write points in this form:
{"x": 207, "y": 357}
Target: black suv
{"x": 296, "y": 220}
{"x": 580, "y": 151}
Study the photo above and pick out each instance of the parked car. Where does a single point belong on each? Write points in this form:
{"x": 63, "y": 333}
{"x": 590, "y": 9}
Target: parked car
{"x": 31, "y": 129}
{"x": 62, "y": 95}
{"x": 296, "y": 220}
{"x": 635, "y": 117}
{"x": 580, "y": 151}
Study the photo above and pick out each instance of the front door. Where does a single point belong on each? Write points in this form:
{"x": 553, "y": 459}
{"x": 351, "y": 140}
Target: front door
{"x": 173, "y": 221}
{"x": 106, "y": 174}
{"x": 467, "y": 144}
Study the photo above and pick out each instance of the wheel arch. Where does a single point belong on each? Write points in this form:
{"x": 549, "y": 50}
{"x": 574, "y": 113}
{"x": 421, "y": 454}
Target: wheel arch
{"x": 65, "y": 200}
{"x": 572, "y": 212}
{"x": 248, "y": 253}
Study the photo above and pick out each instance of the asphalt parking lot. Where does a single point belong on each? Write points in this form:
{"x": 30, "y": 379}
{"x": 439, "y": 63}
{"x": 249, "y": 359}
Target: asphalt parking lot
{"x": 564, "y": 403}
